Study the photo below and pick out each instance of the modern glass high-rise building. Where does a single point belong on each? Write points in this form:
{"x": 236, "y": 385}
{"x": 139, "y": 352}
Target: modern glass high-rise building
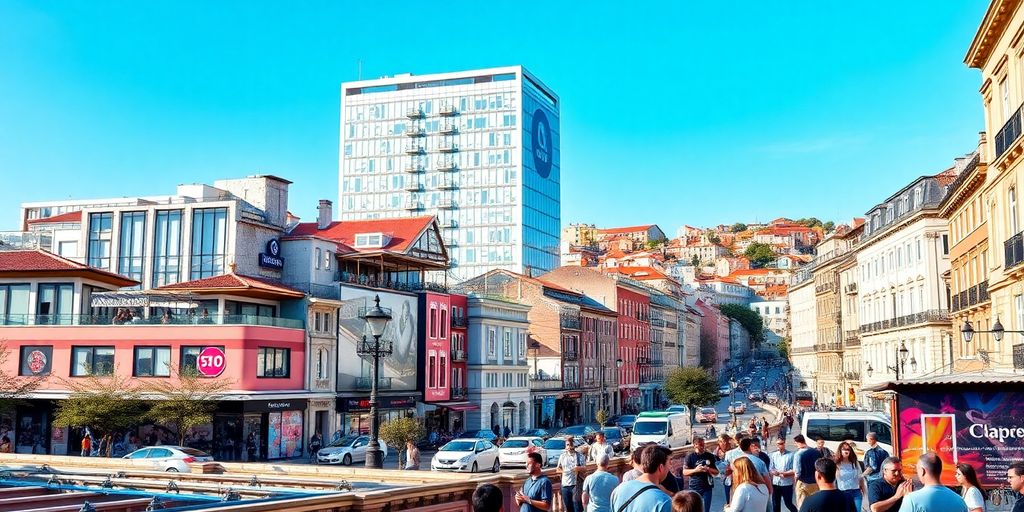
{"x": 479, "y": 149}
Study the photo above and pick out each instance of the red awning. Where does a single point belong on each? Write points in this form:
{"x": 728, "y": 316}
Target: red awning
{"x": 458, "y": 406}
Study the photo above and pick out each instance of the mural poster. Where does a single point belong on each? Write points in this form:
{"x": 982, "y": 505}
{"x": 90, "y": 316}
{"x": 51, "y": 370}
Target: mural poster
{"x": 274, "y": 435}
{"x": 982, "y": 429}
{"x": 291, "y": 434}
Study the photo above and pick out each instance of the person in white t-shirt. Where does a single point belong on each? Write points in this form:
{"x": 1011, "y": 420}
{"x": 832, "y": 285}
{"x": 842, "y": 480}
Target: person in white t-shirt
{"x": 971, "y": 488}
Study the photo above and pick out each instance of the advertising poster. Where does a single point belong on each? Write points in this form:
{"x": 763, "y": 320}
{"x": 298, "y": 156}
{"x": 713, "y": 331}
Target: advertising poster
{"x": 982, "y": 429}
{"x": 291, "y": 432}
{"x": 274, "y": 435}
{"x": 401, "y": 366}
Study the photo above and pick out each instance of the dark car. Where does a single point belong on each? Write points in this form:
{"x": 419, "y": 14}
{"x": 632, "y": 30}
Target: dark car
{"x": 585, "y": 432}
{"x": 478, "y": 434}
{"x": 626, "y": 421}
{"x": 617, "y": 437}
{"x": 536, "y": 432}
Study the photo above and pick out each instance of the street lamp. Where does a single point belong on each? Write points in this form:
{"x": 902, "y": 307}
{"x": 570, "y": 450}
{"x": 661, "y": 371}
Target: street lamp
{"x": 377, "y": 319}
{"x": 732, "y": 399}
{"x": 618, "y": 364}
{"x": 997, "y": 331}
{"x": 901, "y": 362}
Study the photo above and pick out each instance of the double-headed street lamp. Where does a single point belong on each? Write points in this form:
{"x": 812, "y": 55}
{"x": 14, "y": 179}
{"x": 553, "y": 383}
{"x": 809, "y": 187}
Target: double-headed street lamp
{"x": 901, "y": 362}
{"x": 377, "y": 319}
{"x": 618, "y": 365}
{"x": 997, "y": 331}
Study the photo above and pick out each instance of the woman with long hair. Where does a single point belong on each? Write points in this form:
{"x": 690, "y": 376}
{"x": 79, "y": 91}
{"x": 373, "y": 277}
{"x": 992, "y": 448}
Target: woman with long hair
{"x": 724, "y": 445}
{"x": 749, "y": 494}
{"x": 971, "y": 491}
{"x": 850, "y": 474}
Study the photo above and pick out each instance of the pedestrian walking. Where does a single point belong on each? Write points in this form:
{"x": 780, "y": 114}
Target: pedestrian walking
{"x": 724, "y": 445}
{"x": 570, "y": 465}
{"x": 850, "y": 474}
{"x": 315, "y": 442}
{"x": 827, "y": 498}
{"x": 1015, "y": 478}
{"x": 488, "y": 498}
{"x": 803, "y": 465}
{"x": 971, "y": 491}
{"x": 873, "y": 458}
{"x": 750, "y": 493}
{"x": 412, "y": 456}
{"x": 87, "y": 445}
{"x": 535, "y": 496}
{"x": 886, "y": 494}
{"x": 644, "y": 494}
{"x": 782, "y": 472}
{"x": 598, "y": 487}
{"x": 701, "y": 468}
{"x": 933, "y": 497}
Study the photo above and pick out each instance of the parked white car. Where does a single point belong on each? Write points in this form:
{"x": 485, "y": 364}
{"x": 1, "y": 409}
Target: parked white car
{"x": 470, "y": 455}
{"x": 513, "y": 452}
{"x": 347, "y": 450}
{"x": 175, "y": 459}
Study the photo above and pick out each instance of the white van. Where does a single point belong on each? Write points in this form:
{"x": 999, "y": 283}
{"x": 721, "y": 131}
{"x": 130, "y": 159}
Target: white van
{"x": 836, "y": 427}
{"x": 670, "y": 429}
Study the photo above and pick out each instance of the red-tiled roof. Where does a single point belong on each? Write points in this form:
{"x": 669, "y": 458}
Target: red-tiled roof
{"x": 639, "y": 273}
{"x": 64, "y": 217}
{"x": 39, "y": 262}
{"x": 401, "y": 231}
{"x": 236, "y": 283}
{"x": 629, "y": 229}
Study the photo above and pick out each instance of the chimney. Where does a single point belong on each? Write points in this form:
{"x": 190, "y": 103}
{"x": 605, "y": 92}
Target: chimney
{"x": 324, "y": 214}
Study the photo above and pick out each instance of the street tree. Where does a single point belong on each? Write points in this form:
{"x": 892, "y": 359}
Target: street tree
{"x": 784, "y": 348}
{"x": 14, "y": 388}
{"x": 399, "y": 431}
{"x": 188, "y": 402}
{"x": 105, "y": 403}
{"x": 693, "y": 387}
{"x": 737, "y": 227}
{"x": 601, "y": 416}
{"x": 759, "y": 254}
{"x": 748, "y": 318}
{"x": 695, "y": 261}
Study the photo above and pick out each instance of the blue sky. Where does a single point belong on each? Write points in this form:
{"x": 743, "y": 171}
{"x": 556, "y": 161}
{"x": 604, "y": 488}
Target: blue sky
{"x": 676, "y": 112}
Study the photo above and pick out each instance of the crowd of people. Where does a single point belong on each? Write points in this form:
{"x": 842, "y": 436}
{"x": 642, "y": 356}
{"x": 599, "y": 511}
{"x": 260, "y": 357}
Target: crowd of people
{"x": 808, "y": 479}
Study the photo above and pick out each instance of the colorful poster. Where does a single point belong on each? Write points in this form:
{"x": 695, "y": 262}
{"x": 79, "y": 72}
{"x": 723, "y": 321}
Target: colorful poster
{"x": 978, "y": 428}
{"x": 274, "y": 435}
{"x": 291, "y": 434}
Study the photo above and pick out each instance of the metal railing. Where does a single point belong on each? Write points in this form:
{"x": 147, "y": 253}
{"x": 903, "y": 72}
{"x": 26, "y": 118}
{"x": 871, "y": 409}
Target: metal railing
{"x": 568, "y": 322}
{"x": 643, "y": 360}
{"x": 970, "y": 297}
{"x": 570, "y": 355}
{"x": 1013, "y": 251}
{"x": 570, "y": 384}
{"x": 851, "y": 338}
{"x": 832, "y": 346}
{"x": 658, "y": 322}
{"x": 365, "y": 382}
{"x": 80, "y": 320}
{"x": 459, "y": 392}
{"x": 545, "y": 384}
{"x": 372, "y": 282}
{"x": 459, "y": 321}
{"x": 458, "y": 356}
{"x": 933, "y": 315}
{"x": 851, "y": 376}
{"x": 1009, "y": 133}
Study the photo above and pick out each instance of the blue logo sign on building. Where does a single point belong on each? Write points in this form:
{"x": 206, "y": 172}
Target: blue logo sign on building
{"x": 543, "y": 149}
{"x": 272, "y": 258}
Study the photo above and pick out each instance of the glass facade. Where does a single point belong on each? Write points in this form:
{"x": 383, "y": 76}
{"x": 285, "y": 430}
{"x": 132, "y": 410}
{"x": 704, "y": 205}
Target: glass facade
{"x": 209, "y": 242}
{"x": 455, "y": 147}
{"x": 167, "y": 248}
{"x": 132, "y": 244}
{"x": 100, "y": 229}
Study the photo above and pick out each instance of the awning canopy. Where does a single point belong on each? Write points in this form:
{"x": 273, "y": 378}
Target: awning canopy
{"x": 143, "y": 299}
{"x": 458, "y": 406}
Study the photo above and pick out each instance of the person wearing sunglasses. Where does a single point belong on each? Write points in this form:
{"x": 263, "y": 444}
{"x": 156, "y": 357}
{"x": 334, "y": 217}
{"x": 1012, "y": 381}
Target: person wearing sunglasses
{"x": 850, "y": 475}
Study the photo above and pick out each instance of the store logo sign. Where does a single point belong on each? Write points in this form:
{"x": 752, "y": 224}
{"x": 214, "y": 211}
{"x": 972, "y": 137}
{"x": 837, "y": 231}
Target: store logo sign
{"x": 543, "y": 149}
{"x": 272, "y": 258}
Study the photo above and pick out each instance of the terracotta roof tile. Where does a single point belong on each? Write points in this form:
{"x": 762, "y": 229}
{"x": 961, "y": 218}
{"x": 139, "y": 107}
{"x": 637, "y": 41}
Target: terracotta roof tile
{"x": 402, "y": 231}
{"x": 64, "y": 217}
{"x": 38, "y": 260}
{"x": 235, "y": 282}
{"x": 629, "y": 229}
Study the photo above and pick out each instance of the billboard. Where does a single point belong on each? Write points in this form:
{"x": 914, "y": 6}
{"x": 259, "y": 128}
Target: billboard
{"x": 982, "y": 429}
{"x": 399, "y": 369}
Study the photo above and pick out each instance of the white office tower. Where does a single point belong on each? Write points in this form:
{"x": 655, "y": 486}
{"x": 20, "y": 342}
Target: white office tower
{"x": 478, "y": 149}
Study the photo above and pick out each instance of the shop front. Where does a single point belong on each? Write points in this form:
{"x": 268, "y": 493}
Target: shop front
{"x": 445, "y": 417}
{"x": 631, "y": 400}
{"x": 29, "y": 430}
{"x": 355, "y": 411}
{"x": 567, "y": 409}
{"x": 252, "y": 430}
{"x": 544, "y": 411}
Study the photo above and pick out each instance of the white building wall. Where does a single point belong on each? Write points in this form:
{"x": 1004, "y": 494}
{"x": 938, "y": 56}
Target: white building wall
{"x": 803, "y": 321}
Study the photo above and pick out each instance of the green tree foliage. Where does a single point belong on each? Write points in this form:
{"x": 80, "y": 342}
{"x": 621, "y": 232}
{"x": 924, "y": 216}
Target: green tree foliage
{"x": 759, "y": 254}
{"x": 14, "y": 388}
{"x": 713, "y": 238}
{"x": 829, "y": 226}
{"x": 784, "y": 348}
{"x": 189, "y": 402}
{"x": 103, "y": 403}
{"x": 748, "y": 318}
{"x": 601, "y": 416}
{"x": 737, "y": 227}
{"x": 693, "y": 387}
{"x": 401, "y": 430}
{"x": 695, "y": 261}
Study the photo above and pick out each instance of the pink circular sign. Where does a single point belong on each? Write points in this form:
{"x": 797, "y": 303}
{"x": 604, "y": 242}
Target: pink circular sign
{"x": 211, "y": 362}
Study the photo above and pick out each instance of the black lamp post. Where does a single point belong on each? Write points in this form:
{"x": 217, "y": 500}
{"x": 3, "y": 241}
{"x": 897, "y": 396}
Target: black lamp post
{"x": 997, "y": 331}
{"x": 604, "y": 392}
{"x": 377, "y": 319}
{"x": 901, "y": 362}
{"x": 732, "y": 399}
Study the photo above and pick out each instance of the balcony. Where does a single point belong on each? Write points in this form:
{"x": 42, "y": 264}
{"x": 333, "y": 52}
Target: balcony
{"x": 448, "y": 129}
{"x": 451, "y": 242}
{"x": 80, "y": 320}
{"x": 933, "y": 315}
{"x": 569, "y": 322}
{"x": 414, "y": 113}
{"x": 832, "y": 346}
{"x": 648, "y": 379}
{"x": 447, "y": 204}
{"x": 448, "y": 147}
{"x": 459, "y": 393}
{"x": 448, "y": 184}
{"x": 373, "y": 282}
{"x": 448, "y": 166}
{"x": 1013, "y": 251}
{"x": 458, "y": 356}
{"x": 1008, "y": 134}
{"x": 364, "y": 383}
{"x": 448, "y": 110}
{"x": 850, "y": 289}
{"x": 851, "y": 376}
{"x": 545, "y": 384}
{"x": 459, "y": 322}
{"x": 452, "y": 224}
{"x": 414, "y": 149}
{"x": 643, "y": 361}
{"x": 571, "y": 384}
{"x": 590, "y": 383}
{"x": 570, "y": 355}
{"x": 977, "y": 294}
{"x": 851, "y": 338}
{"x": 414, "y": 131}
{"x": 414, "y": 169}
{"x": 413, "y": 205}
{"x": 657, "y": 322}
{"x": 414, "y": 186}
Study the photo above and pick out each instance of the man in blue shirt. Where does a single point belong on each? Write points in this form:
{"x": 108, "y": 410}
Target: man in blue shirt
{"x": 873, "y": 458}
{"x": 536, "y": 493}
{"x": 644, "y": 494}
{"x": 598, "y": 487}
{"x": 933, "y": 496}
{"x": 803, "y": 465}
{"x": 782, "y": 472}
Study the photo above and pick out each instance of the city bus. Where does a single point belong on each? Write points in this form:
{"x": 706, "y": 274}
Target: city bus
{"x": 804, "y": 398}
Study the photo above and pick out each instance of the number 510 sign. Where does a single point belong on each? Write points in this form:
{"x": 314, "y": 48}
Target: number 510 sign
{"x": 211, "y": 362}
